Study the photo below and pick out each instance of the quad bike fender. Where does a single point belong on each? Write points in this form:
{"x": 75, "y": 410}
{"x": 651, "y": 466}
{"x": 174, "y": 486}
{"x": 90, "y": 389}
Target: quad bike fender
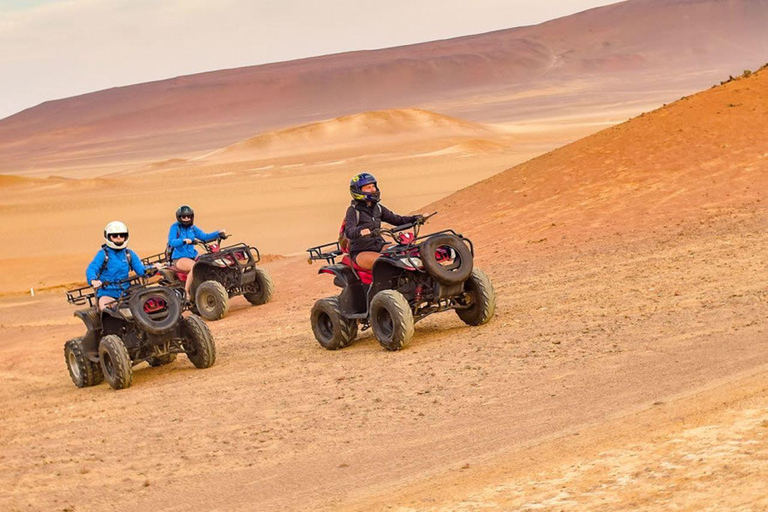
{"x": 342, "y": 274}
{"x": 353, "y": 296}
{"x": 207, "y": 271}
{"x": 92, "y": 321}
{"x": 385, "y": 273}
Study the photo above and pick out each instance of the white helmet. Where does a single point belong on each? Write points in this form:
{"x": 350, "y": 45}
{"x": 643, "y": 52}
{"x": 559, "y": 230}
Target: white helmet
{"x": 113, "y": 228}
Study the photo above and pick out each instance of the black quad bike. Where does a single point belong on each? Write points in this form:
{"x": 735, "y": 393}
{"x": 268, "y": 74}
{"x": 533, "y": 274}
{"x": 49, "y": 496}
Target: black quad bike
{"x": 220, "y": 273}
{"x": 415, "y": 277}
{"x": 144, "y": 324}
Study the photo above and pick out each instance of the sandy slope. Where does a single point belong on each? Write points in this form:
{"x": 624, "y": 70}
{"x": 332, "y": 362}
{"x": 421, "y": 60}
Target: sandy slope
{"x": 630, "y": 270}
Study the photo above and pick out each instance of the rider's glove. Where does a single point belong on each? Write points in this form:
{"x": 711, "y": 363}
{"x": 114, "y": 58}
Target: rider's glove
{"x": 376, "y": 232}
{"x": 420, "y": 219}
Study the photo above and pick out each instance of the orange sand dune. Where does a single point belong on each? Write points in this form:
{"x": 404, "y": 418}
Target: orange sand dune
{"x": 695, "y": 157}
{"x": 385, "y": 126}
{"x": 653, "y": 50}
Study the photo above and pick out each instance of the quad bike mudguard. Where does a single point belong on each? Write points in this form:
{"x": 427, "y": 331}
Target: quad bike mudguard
{"x": 92, "y": 320}
{"x": 385, "y": 273}
{"x": 353, "y": 297}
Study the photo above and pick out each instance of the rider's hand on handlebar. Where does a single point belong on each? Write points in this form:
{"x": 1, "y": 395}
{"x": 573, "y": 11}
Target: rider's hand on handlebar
{"x": 95, "y": 283}
{"x": 188, "y": 241}
{"x": 223, "y": 234}
{"x": 422, "y": 218}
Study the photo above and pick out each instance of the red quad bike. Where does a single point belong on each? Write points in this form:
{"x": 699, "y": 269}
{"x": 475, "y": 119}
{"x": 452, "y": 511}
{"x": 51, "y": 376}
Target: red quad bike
{"x": 144, "y": 324}
{"x": 417, "y": 276}
{"x": 221, "y": 273}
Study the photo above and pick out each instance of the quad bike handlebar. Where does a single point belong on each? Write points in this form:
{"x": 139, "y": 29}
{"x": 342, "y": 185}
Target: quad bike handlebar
{"x": 396, "y": 229}
{"x": 393, "y": 232}
{"x": 207, "y": 245}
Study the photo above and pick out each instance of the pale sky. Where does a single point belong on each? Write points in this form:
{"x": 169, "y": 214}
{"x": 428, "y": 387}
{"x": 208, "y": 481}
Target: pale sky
{"x": 52, "y": 49}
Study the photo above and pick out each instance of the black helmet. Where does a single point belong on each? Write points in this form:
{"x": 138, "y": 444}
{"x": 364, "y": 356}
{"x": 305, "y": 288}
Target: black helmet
{"x": 183, "y": 211}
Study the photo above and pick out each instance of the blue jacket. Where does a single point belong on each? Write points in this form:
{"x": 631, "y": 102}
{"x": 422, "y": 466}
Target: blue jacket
{"x": 116, "y": 269}
{"x": 178, "y": 233}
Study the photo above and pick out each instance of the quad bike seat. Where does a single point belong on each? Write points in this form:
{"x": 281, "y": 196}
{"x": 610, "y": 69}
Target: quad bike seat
{"x": 366, "y": 276}
{"x": 181, "y": 274}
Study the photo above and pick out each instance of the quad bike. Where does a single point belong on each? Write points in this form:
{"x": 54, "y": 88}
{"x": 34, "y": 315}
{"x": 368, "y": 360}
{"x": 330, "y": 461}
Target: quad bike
{"x": 415, "y": 277}
{"x": 220, "y": 273}
{"x": 144, "y": 324}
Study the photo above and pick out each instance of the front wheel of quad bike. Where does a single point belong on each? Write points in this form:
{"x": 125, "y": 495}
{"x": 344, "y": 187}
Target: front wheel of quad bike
{"x": 264, "y": 288}
{"x": 198, "y": 342}
{"x": 480, "y": 296}
{"x": 331, "y": 329}
{"x": 115, "y": 362}
{"x": 446, "y": 258}
{"x": 156, "y": 361}
{"x": 82, "y": 370}
{"x": 211, "y": 300}
{"x": 391, "y": 319}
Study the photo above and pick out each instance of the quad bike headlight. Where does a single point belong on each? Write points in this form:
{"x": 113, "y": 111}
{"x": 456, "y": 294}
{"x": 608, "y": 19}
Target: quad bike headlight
{"x": 413, "y": 261}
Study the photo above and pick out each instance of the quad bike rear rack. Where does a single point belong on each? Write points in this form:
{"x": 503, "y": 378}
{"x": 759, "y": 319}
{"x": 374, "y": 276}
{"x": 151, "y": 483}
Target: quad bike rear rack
{"x": 320, "y": 252}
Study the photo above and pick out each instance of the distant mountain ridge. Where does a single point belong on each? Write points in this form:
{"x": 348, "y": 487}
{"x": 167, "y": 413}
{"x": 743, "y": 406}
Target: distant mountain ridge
{"x": 208, "y": 110}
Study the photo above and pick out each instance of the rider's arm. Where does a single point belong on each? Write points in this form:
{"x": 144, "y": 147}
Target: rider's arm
{"x": 205, "y": 237}
{"x": 137, "y": 265}
{"x": 395, "y": 219}
{"x": 92, "y": 272}
{"x": 175, "y": 238}
{"x": 351, "y": 229}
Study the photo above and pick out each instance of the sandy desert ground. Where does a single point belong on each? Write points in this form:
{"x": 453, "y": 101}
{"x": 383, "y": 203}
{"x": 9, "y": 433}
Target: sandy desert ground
{"x": 626, "y": 366}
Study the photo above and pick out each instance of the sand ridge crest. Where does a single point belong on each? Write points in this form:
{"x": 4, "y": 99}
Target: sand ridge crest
{"x": 391, "y": 125}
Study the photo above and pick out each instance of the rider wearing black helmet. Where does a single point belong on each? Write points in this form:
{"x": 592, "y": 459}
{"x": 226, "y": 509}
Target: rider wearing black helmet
{"x": 364, "y": 217}
{"x": 181, "y": 239}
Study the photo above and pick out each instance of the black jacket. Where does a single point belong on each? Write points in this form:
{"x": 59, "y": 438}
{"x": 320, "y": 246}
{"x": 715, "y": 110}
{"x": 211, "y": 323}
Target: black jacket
{"x": 361, "y": 216}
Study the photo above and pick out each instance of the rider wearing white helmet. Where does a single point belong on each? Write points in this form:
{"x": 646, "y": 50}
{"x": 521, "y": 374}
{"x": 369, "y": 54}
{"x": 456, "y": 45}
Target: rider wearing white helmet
{"x": 112, "y": 264}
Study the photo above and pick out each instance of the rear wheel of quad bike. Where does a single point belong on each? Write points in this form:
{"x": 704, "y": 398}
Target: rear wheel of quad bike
{"x": 198, "y": 342}
{"x": 264, "y": 288}
{"x": 157, "y": 310}
{"x": 83, "y": 371}
{"x": 331, "y": 329}
{"x": 391, "y": 319}
{"x": 481, "y": 297}
{"x": 212, "y": 300}
{"x": 115, "y": 362}
{"x": 455, "y": 263}
{"x": 155, "y": 361}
